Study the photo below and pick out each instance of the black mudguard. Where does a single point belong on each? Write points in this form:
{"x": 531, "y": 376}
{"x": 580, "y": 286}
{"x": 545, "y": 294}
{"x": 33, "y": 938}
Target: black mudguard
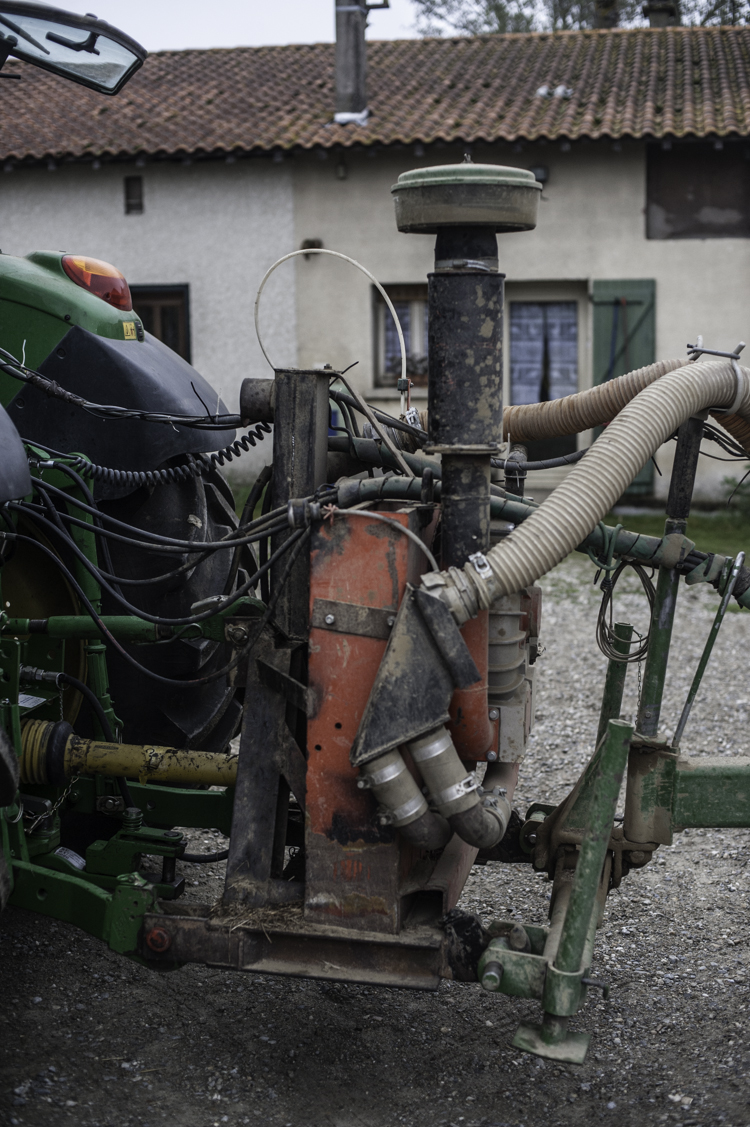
{"x": 146, "y": 375}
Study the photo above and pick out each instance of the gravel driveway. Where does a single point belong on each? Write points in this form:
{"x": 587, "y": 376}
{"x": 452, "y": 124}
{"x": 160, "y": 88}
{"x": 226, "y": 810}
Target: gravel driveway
{"x": 90, "y": 1038}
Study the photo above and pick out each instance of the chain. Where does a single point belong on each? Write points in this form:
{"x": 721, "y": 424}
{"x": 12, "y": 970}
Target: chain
{"x": 639, "y": 666}
{"x": 48, "y": 814}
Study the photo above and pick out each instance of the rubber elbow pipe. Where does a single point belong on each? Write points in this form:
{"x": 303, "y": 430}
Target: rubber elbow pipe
{"x": 479, "y": 820}
{"x": 402, "y": 803}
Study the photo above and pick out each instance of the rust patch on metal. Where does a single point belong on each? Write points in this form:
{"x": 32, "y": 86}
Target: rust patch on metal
{"x": 354, "y": 866}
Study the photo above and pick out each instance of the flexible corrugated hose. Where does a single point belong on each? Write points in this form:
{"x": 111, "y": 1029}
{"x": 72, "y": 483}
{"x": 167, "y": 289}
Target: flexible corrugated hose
{"x": 597, "y": 406}
{"x": 577, "y": 505}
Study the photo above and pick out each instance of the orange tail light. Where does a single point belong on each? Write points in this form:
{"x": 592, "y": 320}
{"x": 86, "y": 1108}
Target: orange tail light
{"x": 99, "y": 278}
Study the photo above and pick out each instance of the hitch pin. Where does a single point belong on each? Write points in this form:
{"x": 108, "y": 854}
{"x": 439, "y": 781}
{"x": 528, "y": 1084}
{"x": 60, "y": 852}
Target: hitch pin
{"x": 736, "y": 567}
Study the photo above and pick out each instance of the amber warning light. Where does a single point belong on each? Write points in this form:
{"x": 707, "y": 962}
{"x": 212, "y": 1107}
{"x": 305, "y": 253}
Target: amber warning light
{"x": 99, "y": 278}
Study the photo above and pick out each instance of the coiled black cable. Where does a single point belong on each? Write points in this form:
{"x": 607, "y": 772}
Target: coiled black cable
{"x": 157, "y": 540}
{"x": 605, "y": 631}
{"x": 198, "y": 464}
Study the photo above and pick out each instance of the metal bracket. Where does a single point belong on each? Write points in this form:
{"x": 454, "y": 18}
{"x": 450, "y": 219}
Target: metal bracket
{"x": 425, "y": 660}
{"x": 352, "y": 618}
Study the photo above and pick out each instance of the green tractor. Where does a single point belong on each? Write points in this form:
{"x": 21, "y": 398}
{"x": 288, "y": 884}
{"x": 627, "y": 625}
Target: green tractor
{"x": 70, "y": 318}
{"x": 385, "y": 699}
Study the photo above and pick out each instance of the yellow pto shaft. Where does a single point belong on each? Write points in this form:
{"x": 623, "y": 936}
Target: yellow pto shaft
{"x": 53, "y": 752}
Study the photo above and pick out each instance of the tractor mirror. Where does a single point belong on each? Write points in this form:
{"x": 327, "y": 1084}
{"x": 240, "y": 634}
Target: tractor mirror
{"x": 82, "y": 48}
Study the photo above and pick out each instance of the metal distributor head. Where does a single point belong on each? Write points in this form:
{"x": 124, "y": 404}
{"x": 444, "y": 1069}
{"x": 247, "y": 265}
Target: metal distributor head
{"x": 466, "y": 195}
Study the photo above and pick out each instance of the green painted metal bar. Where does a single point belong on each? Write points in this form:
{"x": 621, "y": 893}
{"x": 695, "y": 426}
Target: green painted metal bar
{"x": 711, "y": 791}
{"x": 594, "y": 847}
{"x": 614, "y": 682}
{"x": 739, "y": 561}
{"x": 71, "y": 899}
{"x": 657, "y": 659}
{"x": 127, "y": 627}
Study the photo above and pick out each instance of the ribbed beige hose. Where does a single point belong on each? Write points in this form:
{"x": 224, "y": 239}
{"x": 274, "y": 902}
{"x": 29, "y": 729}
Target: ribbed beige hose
{"x": 586, "y": 409}
{"x": 596, "y": 406}
{"x": 569, "y": 514}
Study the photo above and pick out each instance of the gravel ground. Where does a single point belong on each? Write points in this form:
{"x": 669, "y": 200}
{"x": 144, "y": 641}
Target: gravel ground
{"x": 90, "y": 1038}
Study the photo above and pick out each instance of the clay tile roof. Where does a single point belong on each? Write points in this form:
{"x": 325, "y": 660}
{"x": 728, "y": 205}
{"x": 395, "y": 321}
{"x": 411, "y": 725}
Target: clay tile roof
{"x": 641, "y": 82}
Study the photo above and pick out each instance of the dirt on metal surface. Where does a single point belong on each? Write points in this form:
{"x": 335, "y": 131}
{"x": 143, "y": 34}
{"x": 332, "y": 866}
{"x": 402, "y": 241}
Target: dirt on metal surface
{"x": 89, "y": 1038}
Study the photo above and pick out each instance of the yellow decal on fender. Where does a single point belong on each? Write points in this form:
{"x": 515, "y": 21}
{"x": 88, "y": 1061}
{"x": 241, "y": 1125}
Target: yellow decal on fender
{"x": 129, "y": 330}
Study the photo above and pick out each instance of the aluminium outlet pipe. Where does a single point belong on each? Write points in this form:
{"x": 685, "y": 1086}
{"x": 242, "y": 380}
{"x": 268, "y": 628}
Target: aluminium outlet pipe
{"x": 402, "y": 803}
{"x": 478, "y": 814}
{"x": 569, "y": 515}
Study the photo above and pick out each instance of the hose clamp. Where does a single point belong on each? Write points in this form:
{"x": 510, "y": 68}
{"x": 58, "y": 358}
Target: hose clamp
{"x": 407, "y": 812}
{"x": 379, "y": 778}
{"x": 481, "y": 565}
{"x": 740, "y": 391}
{"x": 695, "y": 351}
{"x": 458, "y": 790}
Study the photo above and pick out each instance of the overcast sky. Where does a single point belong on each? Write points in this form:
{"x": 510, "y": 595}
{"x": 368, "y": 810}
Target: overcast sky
{"x": 172, "y": 24}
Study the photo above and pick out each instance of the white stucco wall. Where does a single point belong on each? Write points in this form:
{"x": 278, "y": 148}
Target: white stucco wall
{"x": 214, "y": 226}
{"x": 591, "y": 226}
{"x": 218, "y": 227}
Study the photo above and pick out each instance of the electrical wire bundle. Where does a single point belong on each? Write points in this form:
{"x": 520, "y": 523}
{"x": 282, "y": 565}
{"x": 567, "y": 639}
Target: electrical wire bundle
{"x": 56, "y": 526}
{"x": 13, "y": 367}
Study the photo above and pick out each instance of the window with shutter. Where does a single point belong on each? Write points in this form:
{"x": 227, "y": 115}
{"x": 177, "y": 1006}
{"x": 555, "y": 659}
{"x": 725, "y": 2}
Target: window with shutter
{"x": 625, "y": 339}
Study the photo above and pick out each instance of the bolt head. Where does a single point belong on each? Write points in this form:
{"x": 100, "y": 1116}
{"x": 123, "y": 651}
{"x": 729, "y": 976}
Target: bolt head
{"x": 491, "y": 756}
{"x": 158, "y": 940}
{"x": 329, "y": 619}
{"x": 494, "y": 714}
{"x": 390, "y": 620}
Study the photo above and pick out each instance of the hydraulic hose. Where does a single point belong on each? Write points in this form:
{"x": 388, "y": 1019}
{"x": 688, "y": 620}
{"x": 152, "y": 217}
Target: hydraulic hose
{"x": 569, "y": 515}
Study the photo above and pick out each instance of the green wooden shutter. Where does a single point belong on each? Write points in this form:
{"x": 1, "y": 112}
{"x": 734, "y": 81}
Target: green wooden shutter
{"x": 625, "y": 339}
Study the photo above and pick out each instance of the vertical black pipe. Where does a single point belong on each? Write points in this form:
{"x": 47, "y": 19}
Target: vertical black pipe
{"x": 684, "y": 469}
{"x": 300, "y": 452}
{"x": 465, "y": 298}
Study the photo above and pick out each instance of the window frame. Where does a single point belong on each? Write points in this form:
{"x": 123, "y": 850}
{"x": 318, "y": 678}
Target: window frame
{"x": 141, "y": 205}
{"x": 705, "y": 155}
{"x": 180, "y": 288}
{"x": 415, "y": 293}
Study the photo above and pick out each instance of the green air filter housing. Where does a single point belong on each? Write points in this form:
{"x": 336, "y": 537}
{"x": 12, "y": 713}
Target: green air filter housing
{"x": 466, "y": 195}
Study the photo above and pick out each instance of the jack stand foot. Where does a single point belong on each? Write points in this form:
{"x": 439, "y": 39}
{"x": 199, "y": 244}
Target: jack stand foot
{"x": 552, "y": 1040}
